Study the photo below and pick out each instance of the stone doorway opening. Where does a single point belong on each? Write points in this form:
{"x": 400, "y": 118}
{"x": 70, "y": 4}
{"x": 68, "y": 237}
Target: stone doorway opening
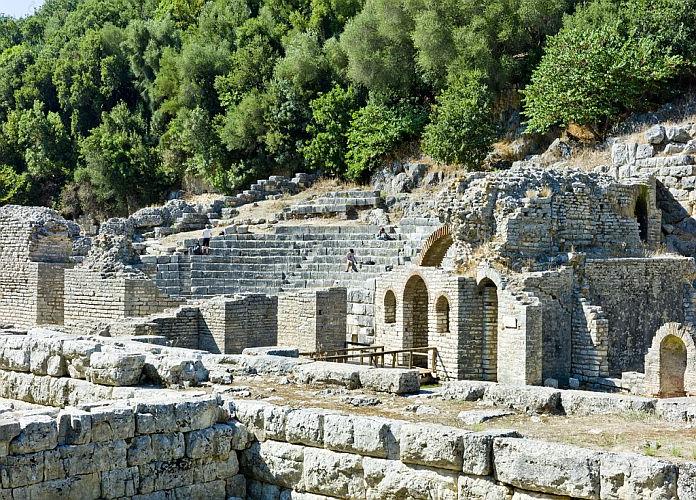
{"x": 415, "y": 306}
{"x": 672, "y": 367}
{"x": 489, "y": 328}
{"x": 641, "y": 214}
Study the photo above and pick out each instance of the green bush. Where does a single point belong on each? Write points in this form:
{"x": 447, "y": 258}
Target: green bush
{"x": 331, "y": 116}
{"x": 376, "y": 130}
{"x": 609, "y": 59}
{"x": 461, "y": 128}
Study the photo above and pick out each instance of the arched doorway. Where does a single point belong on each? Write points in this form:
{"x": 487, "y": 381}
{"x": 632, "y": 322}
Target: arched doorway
{"x": 672, "y": 366}
{"x": 641, "y": 214}
{"x": 442, "y": 310}
{"x": 489, "y": 328}
{"x": 415, "y": 308}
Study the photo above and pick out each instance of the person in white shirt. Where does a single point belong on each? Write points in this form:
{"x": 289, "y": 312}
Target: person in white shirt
{"x": 207, "y": 234}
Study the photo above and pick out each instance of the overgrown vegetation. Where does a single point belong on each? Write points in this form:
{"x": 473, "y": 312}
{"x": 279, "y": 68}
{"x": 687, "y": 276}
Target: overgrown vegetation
{"x": 106, "y": 104}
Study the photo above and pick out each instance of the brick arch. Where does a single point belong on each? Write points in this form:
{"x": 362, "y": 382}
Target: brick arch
{"x": 436, "y": 246}
{"x": 671, "y": 361}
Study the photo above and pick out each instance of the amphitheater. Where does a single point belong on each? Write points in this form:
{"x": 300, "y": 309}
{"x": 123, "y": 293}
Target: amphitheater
{"x": 521, "y": 334}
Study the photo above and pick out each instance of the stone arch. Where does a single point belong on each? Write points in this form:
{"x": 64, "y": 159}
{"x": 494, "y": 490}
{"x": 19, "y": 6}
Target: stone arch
{"x": 488, "y": 293}
{"x": 436, "y": 246}
{"x": 442, "y": 314}
{"x": 415, "y": 316}
{"x": 670, "y": 364}
{"x": 389, "y": 307}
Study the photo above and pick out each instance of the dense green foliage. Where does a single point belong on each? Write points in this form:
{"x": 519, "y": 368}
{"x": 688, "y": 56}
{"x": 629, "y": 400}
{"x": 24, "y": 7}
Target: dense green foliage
{"x": 462, "y": 127}
{"x": 611, "y": 58}
{"x": 106, "y": 104}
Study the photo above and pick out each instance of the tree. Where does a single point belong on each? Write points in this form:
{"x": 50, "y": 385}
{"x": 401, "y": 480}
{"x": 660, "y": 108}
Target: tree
{"x": 609, "y": 59}
{"x": 117, "y": 156}
{"x": 461, "y": 129}
{"x": 376, "y": 130}
{"x": 328, "y": 130}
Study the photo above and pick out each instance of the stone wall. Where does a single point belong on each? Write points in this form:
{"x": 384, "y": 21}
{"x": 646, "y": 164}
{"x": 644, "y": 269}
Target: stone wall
{"x": 230, "y": 325}
{"x": 92, "y": 299}
{"x": 313, "y": 320}
{"x": 637, "y": 297}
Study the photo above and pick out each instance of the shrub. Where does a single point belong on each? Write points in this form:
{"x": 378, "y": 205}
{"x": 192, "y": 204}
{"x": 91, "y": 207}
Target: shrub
{"x": 609, "y": 59}
{"x": 461, "y": 128}
{"x": 331, "y": 116}
{"x": 376, "y": 130}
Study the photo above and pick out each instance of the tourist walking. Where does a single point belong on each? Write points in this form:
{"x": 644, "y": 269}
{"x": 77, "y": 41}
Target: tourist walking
{"x": 351, "y": 262}
{"x": 207, "y": 234}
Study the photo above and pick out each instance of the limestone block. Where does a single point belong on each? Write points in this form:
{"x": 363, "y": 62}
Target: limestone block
{"x": 14, "y": 354}
{"x": 287, "y": 352}
{"x": 196, "y": 413}
{"x": 168, "y": 446}
{"x": 482, "y": 488}
{"x": 115, "y": 368}
{"x": 305, "y": 426}
{"x": 212, "y": 469}
{"x": 432, "y": 445}
{"x": 655, "y": 134}
{"x": 547, "y": 467}
{"x": 77, "y": 354}
{"x": 393, "y": 480}
{"x": 393, "y": 380}
{"x": 9, "y": 429}
{"x": 172, "y": 370}
{"x": 276, "y": 463}
{"x": 250, "y": 414}
{"x": 154, "y": 417}
{"x": 74, "y": 426}
{"x": 37, "y": 433}
{"x": 93, "y": 457}
{"x": 330, "y": 373}
{"x": 676, "y": 133}
{"x": 473, "y": 417}
{"x": 465, "y": 390}
{"x": 112, "y": 422}
{"x": 629, "y": 475}
{"x": 601, "y": 403}
{"x": 274, "y": 421}
{"x": 236, "y": 486}
{"x": 84, "y": 487}
{"x": 477, "y": 447}
{"x": 257, "y": 490}
{"x": 140, "y": 451}
{"x": 46, "y": 356}
{"x": 531, "y": 399}
{"x": 530, "y": 495}
{"x": 645, "y": 151}
{"x": 211, "y": 489}
{"x": 262, "y": 364}
{"x": 201, "y": 443}
{"x": 22, "y": 470}
{"x": 120, "y": 482}
{"x": 368, "y": 436}
{"x": 336, "y": 474}
{"x": 686, "y": 483}
{"x": 165, "y": 475}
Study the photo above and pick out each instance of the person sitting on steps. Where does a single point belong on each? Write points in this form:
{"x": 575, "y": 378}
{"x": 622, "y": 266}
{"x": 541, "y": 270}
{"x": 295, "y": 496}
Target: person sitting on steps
{"x": 351, "y": 262}
{"x": 207, "y": 234}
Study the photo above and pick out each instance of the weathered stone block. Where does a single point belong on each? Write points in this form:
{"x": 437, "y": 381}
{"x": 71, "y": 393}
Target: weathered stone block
{"x": 393, "y": 380}
{"x": 336, "y": 474}
{"x": 115, "y": 368}
{"x": 393, "y": 479}
{"x": 37, "y": 433}
{"x": 482, "y": 488}
{"x": 276, "y": 463}
{"x": 636, "y": 476}
{"x": 547, "y": 467}
{"x": 305, "y": 427}
{"x": 330, "y": 373}
{"x": 432, "y": 445}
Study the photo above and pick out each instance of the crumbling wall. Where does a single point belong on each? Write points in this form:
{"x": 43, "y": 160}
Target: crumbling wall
{"x": 91, "y": 298}
{"x": 230, "y": 325}
{"x": 313, "y": 320}
{"x": 35, "y": 248}
{"x": 637, "y": 296}
{"x": 529, "y": 212}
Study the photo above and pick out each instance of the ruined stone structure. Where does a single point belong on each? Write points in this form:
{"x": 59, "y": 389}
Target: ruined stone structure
{"x": 313, "y": 320}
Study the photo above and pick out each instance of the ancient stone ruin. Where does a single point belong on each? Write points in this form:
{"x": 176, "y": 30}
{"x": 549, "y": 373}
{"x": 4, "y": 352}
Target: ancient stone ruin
{"x": 533, "y": 302}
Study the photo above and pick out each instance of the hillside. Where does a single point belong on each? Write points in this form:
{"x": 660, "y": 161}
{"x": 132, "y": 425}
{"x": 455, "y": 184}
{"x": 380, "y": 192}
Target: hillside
{"x": 99, "y": 96}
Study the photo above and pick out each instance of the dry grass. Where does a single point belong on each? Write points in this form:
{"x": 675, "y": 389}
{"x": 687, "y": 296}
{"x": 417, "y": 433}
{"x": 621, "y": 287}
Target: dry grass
{"x": 587, "y": 158}
{"x": 625, "y": 432}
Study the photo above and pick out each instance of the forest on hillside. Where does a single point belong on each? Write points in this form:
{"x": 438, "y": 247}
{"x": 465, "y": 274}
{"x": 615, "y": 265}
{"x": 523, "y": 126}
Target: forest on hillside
{"x": 107, "y": 104}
